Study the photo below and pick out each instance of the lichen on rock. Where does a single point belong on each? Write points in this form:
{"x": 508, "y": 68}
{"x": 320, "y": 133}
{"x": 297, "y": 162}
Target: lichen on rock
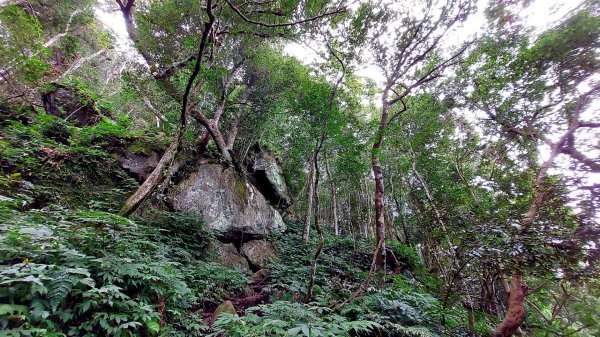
{"x": 213, "y": 193}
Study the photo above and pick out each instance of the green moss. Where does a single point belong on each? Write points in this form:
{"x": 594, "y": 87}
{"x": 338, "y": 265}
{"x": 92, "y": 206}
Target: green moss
{"x": 225, "y": 307}
{"x": 67, "y": 165}
{"x": 241, "y": 189}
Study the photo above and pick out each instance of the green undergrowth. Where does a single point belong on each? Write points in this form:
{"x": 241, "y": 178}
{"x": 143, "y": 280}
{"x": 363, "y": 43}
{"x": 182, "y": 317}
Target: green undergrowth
{"x": 87, "y": 272}
{"x": 403, "y": 303}
{"x": 46, "y": 160}
{"x": 93, "y": 273}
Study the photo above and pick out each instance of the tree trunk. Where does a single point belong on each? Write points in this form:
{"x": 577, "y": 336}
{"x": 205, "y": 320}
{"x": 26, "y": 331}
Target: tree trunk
{"x": 160, "y": 171}
{"x": 317, "y": 173}
{"x": 233, "y": 132}
{"x": 319, "y": 248}
{"x": 471, "y": 318}
{"x": 515, "y": 315}
{"x": 126, "y": 10}
{"x": 379, "y": 191}
{"x": 309, "y": 203}
{"x": 334, "y": 201}
{"x": 166, "y": 162}
{"x": 217, "y": 137}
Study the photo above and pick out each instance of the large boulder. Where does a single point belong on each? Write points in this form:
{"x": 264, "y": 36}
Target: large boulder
{"x": 228, "y": 205}
{"x": 228, "y": 256}
{"x": 258, "y": 252}
{"x": 266, "y": 174}
{"x": 72, "y": 105}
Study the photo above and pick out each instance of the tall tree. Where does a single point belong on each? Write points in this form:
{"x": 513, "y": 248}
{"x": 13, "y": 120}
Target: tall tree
{"x": 221, "y": 20}
{"x": 407, "y": 44}
{"x": 538, "y": 96}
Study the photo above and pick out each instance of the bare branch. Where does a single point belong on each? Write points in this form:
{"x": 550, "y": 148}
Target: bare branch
{"x": 589, "y": 125}
{"x": 593, "y": 165}
{"x": 287, "y": 24}
{"x": 431, "y": 74}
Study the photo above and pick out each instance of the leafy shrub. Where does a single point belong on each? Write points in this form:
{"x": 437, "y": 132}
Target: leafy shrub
{"x": 396, "y": 305}
{"x": 284, "y": 318}
{"x": 211, "y": 281}
{"x": 341, "y": 265}
{"x": 92, "y": 273}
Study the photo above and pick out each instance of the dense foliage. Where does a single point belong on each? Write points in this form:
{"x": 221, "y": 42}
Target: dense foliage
{"x": 441, "y": 184}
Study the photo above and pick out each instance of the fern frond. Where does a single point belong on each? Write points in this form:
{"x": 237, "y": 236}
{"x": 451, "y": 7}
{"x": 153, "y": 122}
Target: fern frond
{"x": 60, "y": 287}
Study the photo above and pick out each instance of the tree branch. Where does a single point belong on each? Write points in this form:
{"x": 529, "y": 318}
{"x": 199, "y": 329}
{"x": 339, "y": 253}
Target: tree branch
{"x": 287, "y": 24}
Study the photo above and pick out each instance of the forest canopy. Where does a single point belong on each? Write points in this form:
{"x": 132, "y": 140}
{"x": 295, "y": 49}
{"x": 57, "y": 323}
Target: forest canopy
{"x": 299, "y": 168}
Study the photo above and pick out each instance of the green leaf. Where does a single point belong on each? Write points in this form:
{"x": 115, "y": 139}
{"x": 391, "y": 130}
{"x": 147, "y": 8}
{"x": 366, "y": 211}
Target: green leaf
{"x": 12, "y": 309}
{"x": 153, "y": 327}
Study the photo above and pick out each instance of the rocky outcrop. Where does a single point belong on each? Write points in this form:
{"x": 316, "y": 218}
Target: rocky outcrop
{"x": 228, "y": 205}
{"x": 72, "y": 105}
{"x": 258, "y": 252}
{"x": 228, "y": 256}
{"x": 266, "y": 174}
{"x": 260, "y": 275}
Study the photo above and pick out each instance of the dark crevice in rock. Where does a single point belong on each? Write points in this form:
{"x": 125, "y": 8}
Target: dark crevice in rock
{"x": 266, "y": 175}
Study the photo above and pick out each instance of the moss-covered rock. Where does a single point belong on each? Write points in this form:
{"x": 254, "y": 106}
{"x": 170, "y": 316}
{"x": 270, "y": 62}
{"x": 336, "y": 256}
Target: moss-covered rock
{"x": 72, "y": 105}
{"x": 225, "y": 307}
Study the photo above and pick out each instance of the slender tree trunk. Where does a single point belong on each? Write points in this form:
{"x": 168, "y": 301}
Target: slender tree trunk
{"x": 405, "y": 232}
{"x": 364, "y": 207}
{"x": 317, "y": 173}
{"x": 233, "y": 132}
{"x": 334, "y": 201}
{"x": 379, "y": 192}
{"x": 471, "y": 319}
{"x": 313, "y": 273}
{"x": 309, "y": 203}
{"x": 206, "y": 136}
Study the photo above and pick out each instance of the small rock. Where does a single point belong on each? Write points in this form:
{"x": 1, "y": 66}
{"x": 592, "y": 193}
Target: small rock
{"x": 226, "y": 306}
{"x": 228, "y": 256}
{"x": 258, "y": 252}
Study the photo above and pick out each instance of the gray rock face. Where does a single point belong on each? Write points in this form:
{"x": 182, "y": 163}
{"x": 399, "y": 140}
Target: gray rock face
{"x": 139, "y": 164}
{"x": 227, "y": 203}
{"x": 228, "y": 256}
{"x": 71, "y": 105}
{"x": 267, "y": 176}
{"x": 258, "y": 252}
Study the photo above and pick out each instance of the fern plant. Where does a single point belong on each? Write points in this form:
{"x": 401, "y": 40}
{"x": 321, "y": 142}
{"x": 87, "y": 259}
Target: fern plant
{"x": 91, "y": 273}
{"x": 284, "y": 318}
